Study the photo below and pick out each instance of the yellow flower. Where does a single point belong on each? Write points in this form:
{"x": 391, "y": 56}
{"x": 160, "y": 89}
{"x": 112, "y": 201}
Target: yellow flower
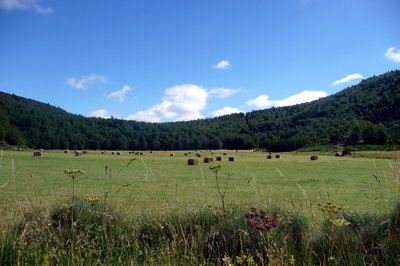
{"x": 292, "y": 261}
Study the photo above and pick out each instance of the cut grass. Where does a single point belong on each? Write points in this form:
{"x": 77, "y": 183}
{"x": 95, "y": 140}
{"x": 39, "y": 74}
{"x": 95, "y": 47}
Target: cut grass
{"x": 157, "y": 181}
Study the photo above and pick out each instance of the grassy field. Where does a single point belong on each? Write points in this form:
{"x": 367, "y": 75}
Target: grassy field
{"x": 154, "y": 209}
{"x": 158, "y": 181}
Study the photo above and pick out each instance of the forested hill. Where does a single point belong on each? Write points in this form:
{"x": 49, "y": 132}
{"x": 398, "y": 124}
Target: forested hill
{"x": 368, "y": 113}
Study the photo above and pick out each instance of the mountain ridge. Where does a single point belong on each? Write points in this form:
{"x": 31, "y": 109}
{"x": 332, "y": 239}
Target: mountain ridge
{"x": 366, "y": 113}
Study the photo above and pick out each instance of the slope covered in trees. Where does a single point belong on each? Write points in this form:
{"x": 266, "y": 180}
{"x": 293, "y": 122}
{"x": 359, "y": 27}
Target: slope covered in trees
{"x": 366, "y": 113}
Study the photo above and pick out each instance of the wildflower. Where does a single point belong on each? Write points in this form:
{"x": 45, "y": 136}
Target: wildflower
{"x": 92, "y": 200}
{"x": 259, "y": 220}
{"x": 73, "y": 173}
{"x": 227, "y": 261}
{"x": 340, "y": 222}
{"x": 292, "y": 261}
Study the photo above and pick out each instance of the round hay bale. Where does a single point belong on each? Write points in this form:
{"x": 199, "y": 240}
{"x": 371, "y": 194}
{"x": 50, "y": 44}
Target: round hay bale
{"x": 277, "y": 156}
{"x": 269, "y": 156}
{"x": 337, "y": 154}
{"x": 112, "y": 153}
{"x": 219, "y": 158}
{"x": 314, "y": 157}
{"x": 208, "y": 159}
{"x": 193, "y": 161}
{"x": 66, "y": 151}
{"x": 199, "y": 155}
{"x": 78, "y": 153}
{"x": 37, "y": 154}
{"x": 186, "y": 154}
{"x": 224, "y": 153}
{"x": 231, "y": 158}
{"x": 118, "y": 153}
{"x": 140, "y": 153}
{"x": 172, "y": 155}
{"x": 85, "y": 152}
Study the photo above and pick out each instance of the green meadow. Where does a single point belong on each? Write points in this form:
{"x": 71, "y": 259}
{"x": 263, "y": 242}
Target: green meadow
{"x": 158, "y": 181}
{"x": 155, "y": 209}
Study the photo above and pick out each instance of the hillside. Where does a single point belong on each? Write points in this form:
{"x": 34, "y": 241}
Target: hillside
{"x": 367, "y": 113}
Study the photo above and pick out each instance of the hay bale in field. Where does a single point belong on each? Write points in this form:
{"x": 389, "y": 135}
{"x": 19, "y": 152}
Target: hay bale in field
{"x": 172, "y": 155}
{"x": 277, "y": 156}
{"x": 85, "y": 152}
{"x": 118, "y": 153}
{"x": 231, "y": 158}
{"x": 337, "y": 154}
{"x": 103, "y": 152}
{"x": 37, "y": 154}
{"x": 219, "y": 158}
{"x": 112, "y": 153}
{"x": 140, "y": 153}
{"x": 269, "y": 156}
{"x": 78, "y": 153}
{"x": 193, "y": 161}
{"x": 208, "y": 159}
{"x": 199, "y": 155}
{"x": 314, "y": 157}
{"x": 224, "y": 153}
{"x": 186, "y": 154}
{"x": 66, "y": 151}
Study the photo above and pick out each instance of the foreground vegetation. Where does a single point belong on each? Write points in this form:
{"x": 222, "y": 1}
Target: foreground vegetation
{"x": 154, "y": 209}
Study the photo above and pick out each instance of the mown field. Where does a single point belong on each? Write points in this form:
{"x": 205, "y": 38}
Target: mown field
{"x": 155, "y": 209}
{"x": 158, "y": 181}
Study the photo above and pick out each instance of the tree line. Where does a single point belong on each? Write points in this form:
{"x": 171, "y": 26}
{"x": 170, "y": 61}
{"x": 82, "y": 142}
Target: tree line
{"x": 367, "y": 113}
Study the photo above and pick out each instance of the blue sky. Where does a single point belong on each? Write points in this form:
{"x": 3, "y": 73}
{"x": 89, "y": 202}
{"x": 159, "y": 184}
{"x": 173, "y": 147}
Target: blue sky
{"x": 170, "y": 60}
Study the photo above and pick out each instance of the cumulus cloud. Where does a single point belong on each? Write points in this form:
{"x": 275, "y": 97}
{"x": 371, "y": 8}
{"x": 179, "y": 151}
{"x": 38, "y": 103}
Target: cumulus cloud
{"x": 101, "y": 113}
{"x": 180, "y": 103}
{"x": 393, "y": 55}
{"x": 222, "y": 92}
{"x": 348, "y": 79}
{"x": 263, "y": 101}
{"x": 226, "y": 111}
{"x": 223, "y": 65}
{"x": 119, "y": 94}
{"x": 31, "y": 5}
{"x": 84, "y": 81}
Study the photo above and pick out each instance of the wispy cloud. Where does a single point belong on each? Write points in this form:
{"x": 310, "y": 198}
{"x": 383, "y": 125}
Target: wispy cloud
{"x": 263, "y": 100}
{"x": 226, "y": 111}
{"x": 222, "y": 92}
{"x": 302, "y": 97}
{"x": 84, "y": 81}
{"x": 119, "y": 94}
{"x": 223, "y": 65}
{"x": 101, "y": 113}
{"x": 347, "y": 79}
{"x": 393, "y": 55}
{"x": 30, "y": 5}
{"x": 181, "y": 102}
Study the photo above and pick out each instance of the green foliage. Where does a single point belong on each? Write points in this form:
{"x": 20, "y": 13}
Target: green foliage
{"x": 367, "y": 113}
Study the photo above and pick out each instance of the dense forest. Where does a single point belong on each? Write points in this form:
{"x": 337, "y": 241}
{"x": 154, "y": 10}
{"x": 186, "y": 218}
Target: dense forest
{"x": 364, "y": 114}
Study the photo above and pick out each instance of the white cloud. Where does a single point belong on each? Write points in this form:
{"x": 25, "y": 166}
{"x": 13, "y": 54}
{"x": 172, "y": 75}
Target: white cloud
{"x": 102, "y": 113}
{"x": 31, "y": 5}
{"x": 226, "y": 111}
{"x": 180, "y": 103}
{"x": 84, "y": 81}
{"x": 222, "y": 92}
{"x": 347, "y": 79}
{"x": 260, "y": 102}
{"x": 263, "y": 101}
{"x": 120, "y": 94}
{"x": 302, "y": 97}
{"x": 223, "y": 65}
{"x": 393, "y": 55}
